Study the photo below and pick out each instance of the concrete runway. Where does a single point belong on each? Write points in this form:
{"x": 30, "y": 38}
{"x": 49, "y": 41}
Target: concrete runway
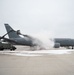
{"x": 47, "y": 64}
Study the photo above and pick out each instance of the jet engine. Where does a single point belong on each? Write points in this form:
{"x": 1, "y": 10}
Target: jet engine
{"x": 56, "y": 45}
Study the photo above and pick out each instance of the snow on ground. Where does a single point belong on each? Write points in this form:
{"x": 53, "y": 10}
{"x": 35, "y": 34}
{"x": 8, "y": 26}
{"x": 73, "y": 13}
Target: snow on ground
{"x": 37, "y": 53}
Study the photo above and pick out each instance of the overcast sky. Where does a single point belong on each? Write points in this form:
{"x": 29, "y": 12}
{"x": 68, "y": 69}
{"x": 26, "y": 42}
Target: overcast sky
{"x": 34, "y": 16}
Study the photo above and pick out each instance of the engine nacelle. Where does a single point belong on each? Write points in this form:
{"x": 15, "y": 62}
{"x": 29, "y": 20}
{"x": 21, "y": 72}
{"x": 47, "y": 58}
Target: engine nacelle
{"x": 56, "y": 45}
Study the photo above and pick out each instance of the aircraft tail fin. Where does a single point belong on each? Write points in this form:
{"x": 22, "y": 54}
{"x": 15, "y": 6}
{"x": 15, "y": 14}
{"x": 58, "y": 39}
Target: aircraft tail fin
{"x": 11, "y": 32}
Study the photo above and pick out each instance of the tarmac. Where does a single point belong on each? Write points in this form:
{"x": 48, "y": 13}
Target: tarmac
{"x": 46, "y": 63}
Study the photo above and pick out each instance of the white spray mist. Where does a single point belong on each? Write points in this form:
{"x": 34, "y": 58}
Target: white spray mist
{"x": 43, "y": 40}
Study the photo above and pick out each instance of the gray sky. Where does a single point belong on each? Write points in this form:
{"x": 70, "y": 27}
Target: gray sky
{"x": 34, "y": 16}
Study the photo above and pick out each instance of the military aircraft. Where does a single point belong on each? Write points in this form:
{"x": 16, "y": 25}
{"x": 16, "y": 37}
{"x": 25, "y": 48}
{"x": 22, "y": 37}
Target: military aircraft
{"x": 65, "y": 42}
{"x": 27, "y": 40}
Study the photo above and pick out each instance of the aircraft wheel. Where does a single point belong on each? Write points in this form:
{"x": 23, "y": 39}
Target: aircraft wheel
{"x": 13, "y": 48}
{"x": 1, "y": 49}
{"x": 72, "y": 47}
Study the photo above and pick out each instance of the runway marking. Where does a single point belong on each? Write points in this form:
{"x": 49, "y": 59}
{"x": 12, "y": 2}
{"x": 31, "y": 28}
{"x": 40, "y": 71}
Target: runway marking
{"x": 37, "y": 53}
